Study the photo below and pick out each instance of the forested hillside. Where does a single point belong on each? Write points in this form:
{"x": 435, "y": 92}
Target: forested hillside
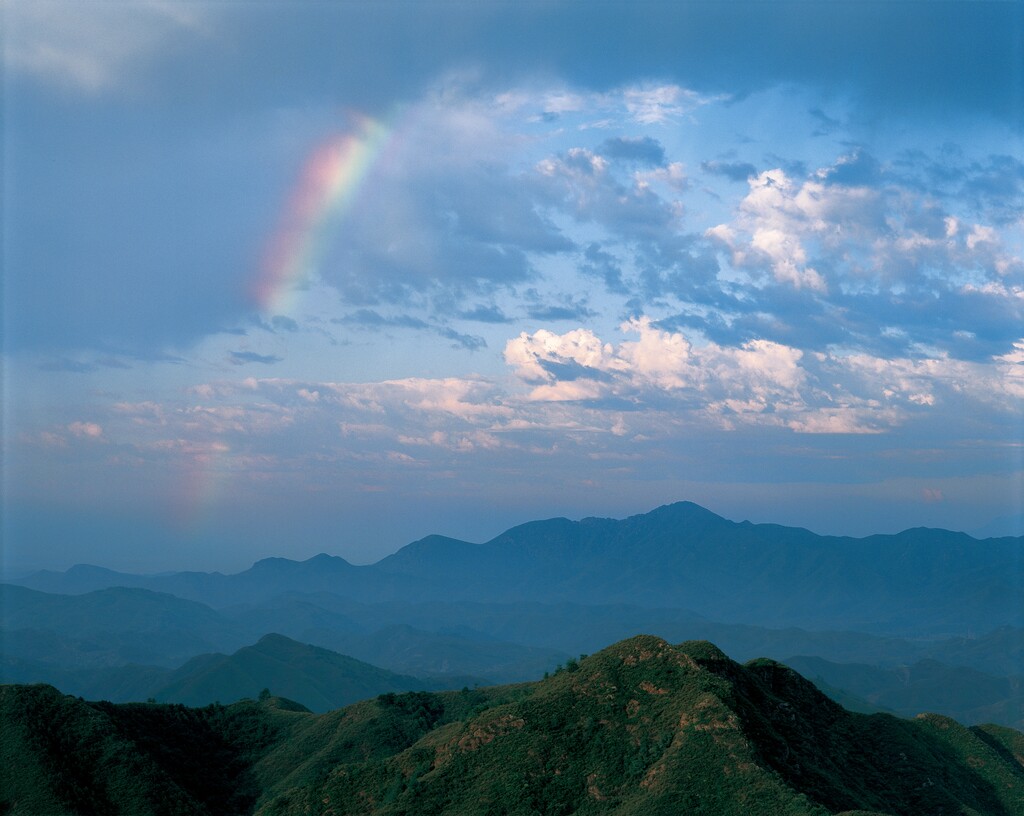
{"x": 642, "y": 727}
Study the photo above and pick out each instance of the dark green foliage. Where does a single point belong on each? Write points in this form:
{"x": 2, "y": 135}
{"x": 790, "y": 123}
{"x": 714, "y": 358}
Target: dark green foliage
{"x": 642, "y": 728}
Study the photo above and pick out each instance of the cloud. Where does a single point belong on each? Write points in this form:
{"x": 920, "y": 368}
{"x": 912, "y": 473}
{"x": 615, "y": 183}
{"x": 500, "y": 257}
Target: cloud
{"x": 759, "y": 382}
{"x": 581, "y": 183}
{"x": 371, "y": 319}
{"x": 932, "y": 494}
{"x": 600, "y": 264}
{"x": 853, "y": 246}
{"x": 996, "y": 185}
{"x": 657, "y": 104}
{"x": 85, "y": 430}
{"x": 95, "y": 47}
{"x": 246, "y": 357}
{"x": 734, "y": 171}
{"x": 553, "y": 307}
{"x": 485, "y": 314}
{"x": 857, "y": 169}
{"x": 469, "y": 342}
{"x": 640, "y": 149}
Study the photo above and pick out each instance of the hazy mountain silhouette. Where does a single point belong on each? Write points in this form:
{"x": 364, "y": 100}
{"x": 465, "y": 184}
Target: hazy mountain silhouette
{"x": 965, "y": 694}
{"x": 680, "y": 555}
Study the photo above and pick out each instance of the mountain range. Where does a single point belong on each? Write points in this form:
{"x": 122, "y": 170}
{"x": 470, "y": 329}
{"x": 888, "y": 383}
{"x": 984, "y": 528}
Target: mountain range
{"x": 918, "y": 582}
{"x": 936, "y": 607}
{"x": 642, "y": 727}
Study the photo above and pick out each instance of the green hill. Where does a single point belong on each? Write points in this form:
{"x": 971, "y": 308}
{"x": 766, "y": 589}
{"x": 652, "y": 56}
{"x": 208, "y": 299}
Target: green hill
{"x": 320, "y": 679}
{"x": 642, "y": 727}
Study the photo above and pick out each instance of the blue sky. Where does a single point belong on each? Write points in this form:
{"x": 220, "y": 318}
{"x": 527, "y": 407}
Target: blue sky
{"x": 282, "y": 278}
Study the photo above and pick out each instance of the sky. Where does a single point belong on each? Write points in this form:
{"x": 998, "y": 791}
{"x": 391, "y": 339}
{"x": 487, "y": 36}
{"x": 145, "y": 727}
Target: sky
{"x": 282, "y": 278}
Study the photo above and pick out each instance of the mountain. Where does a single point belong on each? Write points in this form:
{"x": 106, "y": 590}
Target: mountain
{"x": 264, "y": 579}
{"x": 965, "y": 694}
{"x": 405, "y": 648}
{"x": 319, "y": 679}
{"x": 921, "y": 581}
{"x": 111, "y": 626}
{"x": 120, "y": 644}
{"x": 642, "y": 727}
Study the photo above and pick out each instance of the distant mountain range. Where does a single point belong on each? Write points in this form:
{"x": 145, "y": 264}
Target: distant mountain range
{"x": 641, "y": 727}
{"x": 968, "y": 695}
{"x": 937, "y": 605}
{"x": 680, "y": 556}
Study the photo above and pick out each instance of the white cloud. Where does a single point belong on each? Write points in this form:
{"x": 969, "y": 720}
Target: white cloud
{"x": 882, "y": 234}
{"x": 757, "y": 382}
{"x": 660, "y": 360}
{"x": 85, "y": 430}
{"x": 659, "y": 103}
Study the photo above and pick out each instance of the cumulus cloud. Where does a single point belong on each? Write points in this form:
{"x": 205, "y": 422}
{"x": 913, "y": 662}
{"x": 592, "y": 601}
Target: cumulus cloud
{"x": 757, "y": 382}
{"x": 658, "y": 359}
{"x": 866, "y": 246}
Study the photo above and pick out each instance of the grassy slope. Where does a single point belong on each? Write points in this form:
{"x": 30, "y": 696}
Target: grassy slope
{"x": 646, "y": 728}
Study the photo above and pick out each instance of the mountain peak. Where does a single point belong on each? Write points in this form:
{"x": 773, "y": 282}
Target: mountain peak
{"x": 684, "y": 510}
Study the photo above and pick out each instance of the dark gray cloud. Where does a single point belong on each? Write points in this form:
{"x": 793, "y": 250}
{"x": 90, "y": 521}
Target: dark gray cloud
{"x": 138, "y": 249}
{"x": 904, "y": 58}
{"x": 576, "y": 312}
{"x": 602, "y": 265}
{"x": 485, "y": 314}
{"x": 826, "y": 123}
{"x": 470, "y": 342}
{"x": 639, "y": 149}
{"x": 997, "y": 187}
{"x": 858, "y": 169}
{"x": 452, "y": 232}
{"x": 555, "y": 307}
{"x": 734, "y": 171}
{"x": 579, "y": 183}
{"x": 372, "y": 319}
{"x": 246, "y": 357}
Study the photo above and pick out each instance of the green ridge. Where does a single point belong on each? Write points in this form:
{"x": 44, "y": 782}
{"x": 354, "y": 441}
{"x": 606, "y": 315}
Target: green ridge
{"x": 642, "y": 727}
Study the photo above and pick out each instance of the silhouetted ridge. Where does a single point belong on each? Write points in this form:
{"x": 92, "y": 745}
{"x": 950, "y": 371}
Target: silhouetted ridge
{"x": 682, "y": 556}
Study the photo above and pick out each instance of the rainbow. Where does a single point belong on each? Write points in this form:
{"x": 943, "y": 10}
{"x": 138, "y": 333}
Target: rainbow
{"x": 331, "y": 178}
{"x": 204, "y": 474}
